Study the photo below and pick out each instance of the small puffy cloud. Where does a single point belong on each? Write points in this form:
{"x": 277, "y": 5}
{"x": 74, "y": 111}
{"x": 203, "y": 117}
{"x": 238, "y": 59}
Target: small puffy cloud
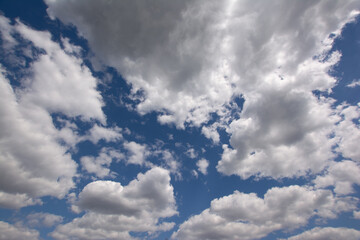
{"x": 12, "y": 232}
{"x": 100, "y": 165}
{"x": 202, "y": 165}
{"x": 356, "y": 214}
{"x": 246, "y": 216}
{"x": 41, "y": 219}
{"x": 342, "y": 175}
{"x": 137, "y": 153}
{"x": 191, "y": 153}
{"x": 211, "y": 133}
{"x": 97, "y": 133}
{"x": 114, "y": 210}
{"x": 328, "y": 233}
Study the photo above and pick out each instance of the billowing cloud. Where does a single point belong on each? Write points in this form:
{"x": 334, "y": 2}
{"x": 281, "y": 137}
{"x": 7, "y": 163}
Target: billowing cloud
{"x": 246, "y": 216}
{"x": 12, "y": 232}
{"x": 197, "y": 60}
{"x": 34, "y": 159}
{"x": 328, "y": 233}
{"x": 114, "y": 210}
{"x": 209, "y": 54}
{"x": 280, "y": 134}
{"x": 31, "y": 162}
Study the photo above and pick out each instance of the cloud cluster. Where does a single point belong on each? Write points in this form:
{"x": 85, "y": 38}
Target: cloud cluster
{"x": 246, "y": 216}
{"x": 100, "y": 165}
{"x": 12, "y": 232}
{"x": 42, "y": 219}
{"x": 34, "y": 159}
{"x": 113, "y": 210}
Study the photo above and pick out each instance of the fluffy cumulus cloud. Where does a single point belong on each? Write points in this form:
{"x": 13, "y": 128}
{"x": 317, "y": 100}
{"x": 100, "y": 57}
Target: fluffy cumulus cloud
{"x": 202, "y": 165}
{"x": 97, "y": 133}
{"x": 137, "y": 153}
{"x": 113, "y": 210}
{"x": 246, "y": 216}
{"x": 328, "y": 233}
{"x": 100, "y": 165}
{"x": 34, "y": 162}
{"x": 343, "y": 175}
{"x": 12, "y": 232}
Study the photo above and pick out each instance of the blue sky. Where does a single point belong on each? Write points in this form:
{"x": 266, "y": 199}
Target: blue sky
{"x": 183, "y": 120}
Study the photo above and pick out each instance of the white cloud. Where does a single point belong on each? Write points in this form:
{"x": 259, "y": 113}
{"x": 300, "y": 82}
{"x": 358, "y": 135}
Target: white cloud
{"x": 40, "y": 166}
{"x": 97, "y": 133}
{"x": 113, "y": 210}
{"x": 17, "y": 200}
{"x": 356, "y": 214}
{"x": 137, "y": 153}
{"x": 41, "y": 219}
{"x": 191, "y": 153}
{"x": 202, "y": 165}
{"x": 280, "y": 134}
{"x": 348, "y": 133}
{"x": 11, "y": 232}
{"x": 354, "y": 84}
{"x": 35, "y": 159}
{"x": 207, "y": 53}
{"x": 246, "y": 216}
{"x": 211, "y": 133}
{"x": 328, "y": 233}
{"x": 342, "y": 175}
{"x": 100, "y": 165}
{"x": 61, "y": 83}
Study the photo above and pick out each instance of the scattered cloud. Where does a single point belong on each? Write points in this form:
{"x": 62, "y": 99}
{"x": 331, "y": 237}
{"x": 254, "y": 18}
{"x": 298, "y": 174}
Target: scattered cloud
{"x": 137, "y": 153}
{"x": 100, "y": 165}
{"x": 202, "y": 165}
{"x": 354, "y": 84}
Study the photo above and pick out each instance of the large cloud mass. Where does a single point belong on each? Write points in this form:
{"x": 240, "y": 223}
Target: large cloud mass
{"x": 272, "y": 54}
{"x": 190, "y": 58}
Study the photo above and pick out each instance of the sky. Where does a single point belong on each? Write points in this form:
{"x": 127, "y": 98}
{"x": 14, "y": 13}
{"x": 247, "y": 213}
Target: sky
{"x": 182, "y": 120}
